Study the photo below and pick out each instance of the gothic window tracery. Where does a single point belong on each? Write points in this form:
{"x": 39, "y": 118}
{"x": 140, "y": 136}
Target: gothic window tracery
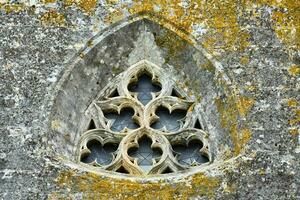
{"x": 142, "y": 123}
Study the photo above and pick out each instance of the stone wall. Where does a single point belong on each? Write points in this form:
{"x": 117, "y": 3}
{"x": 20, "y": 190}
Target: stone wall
{"x": 241, "y": 58}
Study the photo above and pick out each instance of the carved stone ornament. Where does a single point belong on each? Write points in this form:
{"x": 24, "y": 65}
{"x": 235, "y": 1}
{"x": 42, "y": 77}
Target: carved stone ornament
{"x": 137, "y": 130}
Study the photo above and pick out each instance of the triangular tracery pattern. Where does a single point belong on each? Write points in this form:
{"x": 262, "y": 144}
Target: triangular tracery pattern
{"x": 152, "y": 121}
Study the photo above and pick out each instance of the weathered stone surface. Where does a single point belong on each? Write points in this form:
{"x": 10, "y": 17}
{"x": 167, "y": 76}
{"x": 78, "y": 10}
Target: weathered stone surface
{"x": 241, "y": 59}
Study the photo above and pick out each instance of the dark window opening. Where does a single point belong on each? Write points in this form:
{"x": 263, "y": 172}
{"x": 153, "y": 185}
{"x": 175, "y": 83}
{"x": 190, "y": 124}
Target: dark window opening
{"x": 102, "y": 155}
{"x": 144, "y": 153}
{"x": 172, "y": 121}
{"x": 122, "y": 120}
{"x": 144, "y": 87}
{"x": 189, "y": 155}
{"x": 91, "y": 125}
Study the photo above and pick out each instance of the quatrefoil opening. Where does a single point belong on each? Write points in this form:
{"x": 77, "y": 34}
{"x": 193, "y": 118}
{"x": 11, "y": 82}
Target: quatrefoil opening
{"x": 190, "y": 154}
{"x": 125, "y": 119}
{"x": 144, "y": 87}
{"x": 144, "y": 154}
{"x": 167, "y": 120}
{"x": 97, "y": 154}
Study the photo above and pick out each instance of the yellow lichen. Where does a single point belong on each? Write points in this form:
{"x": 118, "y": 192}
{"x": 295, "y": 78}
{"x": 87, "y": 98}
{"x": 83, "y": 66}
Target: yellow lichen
{"x": 286, "y": 21}
{"x": 209, "y": 67}
{"x": 49, "y": 1}
{"x": 245, "y": 60}
{"x": 172, "y": 43}
{"x": 14, "y": 7}
{"x": 295, "y": 120}
{"x": 292, "y": 103}
{"x": 92, "y": 186}
{"x": 218, "y": 17}
{"x": 230, "y": 109}
{"x": 294, "y": 131}
{"x": 87, "y": 6}
{"x": 244, "y": 104}
{"x": 294, "y": 70}
{"x": 245, "y": 137}
{"x": 53, "y": 18}
{"x": 114, "y": 16}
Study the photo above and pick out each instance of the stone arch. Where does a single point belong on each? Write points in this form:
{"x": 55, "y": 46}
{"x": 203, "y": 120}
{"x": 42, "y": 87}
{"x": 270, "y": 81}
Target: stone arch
{"x": 109, "y": 53}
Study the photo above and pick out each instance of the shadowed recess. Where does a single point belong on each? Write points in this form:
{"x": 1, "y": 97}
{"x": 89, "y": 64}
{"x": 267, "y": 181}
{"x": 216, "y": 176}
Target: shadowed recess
{"x": 144, "y": 87}
{"x": 114, "y": 94}
{"x": 190, "y": 155}
{"x": 91, "y": 125}
{"x": 144, "y": 153}
{"x": 176, "y": 94}
{"x": 101, "y": 154}
{"x": 171, "y": 121}
{"x": 198, "y": 125}
{"x": 122, "y": 120}
{"x": 122, "y": 170}
{"x": 167, "y": 170}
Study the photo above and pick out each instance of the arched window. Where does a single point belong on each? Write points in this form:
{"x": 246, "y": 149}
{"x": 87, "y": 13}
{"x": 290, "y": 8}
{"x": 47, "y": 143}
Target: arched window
{"x": 143, "y": 123}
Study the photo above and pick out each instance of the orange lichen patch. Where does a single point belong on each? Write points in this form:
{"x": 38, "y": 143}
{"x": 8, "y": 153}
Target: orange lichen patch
{"x": 49, "y": 1}
{"x": 292, "y": 103}
{"x": 230, "y": 109}
{"x": 53, "y": 18}
{"x": 296, "y": 120}
{"x": 294, "y": 132}
{"x": 287, "y": 22}
{"x": 244, "y": 104}
{"x": 287, "y": 27}
{"x": 245, "y": 137}
{"x": 218, "y": 16}
{"x": 9, "y": 8}
{"x": 92, "y": 186}
{"x": 239, "y": 138}
{"x": 87, "y": 6}
{"x": 294, "y": 70}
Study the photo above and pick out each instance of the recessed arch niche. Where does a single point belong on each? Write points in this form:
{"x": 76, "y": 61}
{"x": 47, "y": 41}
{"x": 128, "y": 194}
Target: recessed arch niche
{"x": 113, "y": 51}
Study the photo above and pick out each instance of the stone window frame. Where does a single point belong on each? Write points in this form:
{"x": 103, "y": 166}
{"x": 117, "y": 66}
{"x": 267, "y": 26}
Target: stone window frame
{"x": 144, "y": 116}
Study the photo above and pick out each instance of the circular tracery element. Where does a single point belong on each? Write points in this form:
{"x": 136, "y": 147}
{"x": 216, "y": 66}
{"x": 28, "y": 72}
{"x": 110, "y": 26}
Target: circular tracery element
{"x": 142, "y": 123}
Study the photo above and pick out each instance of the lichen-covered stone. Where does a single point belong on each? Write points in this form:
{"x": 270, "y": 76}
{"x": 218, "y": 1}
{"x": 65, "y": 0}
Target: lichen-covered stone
{"x": 241, "y": 59}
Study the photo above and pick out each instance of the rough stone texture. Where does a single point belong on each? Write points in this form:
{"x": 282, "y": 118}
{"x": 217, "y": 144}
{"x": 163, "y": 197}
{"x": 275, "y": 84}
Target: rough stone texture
{"x": 240, "y": 58}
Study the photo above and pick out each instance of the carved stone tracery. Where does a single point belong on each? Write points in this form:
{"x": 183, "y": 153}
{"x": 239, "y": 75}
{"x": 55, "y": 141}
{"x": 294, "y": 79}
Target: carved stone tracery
{"x": 178, "y": 149}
